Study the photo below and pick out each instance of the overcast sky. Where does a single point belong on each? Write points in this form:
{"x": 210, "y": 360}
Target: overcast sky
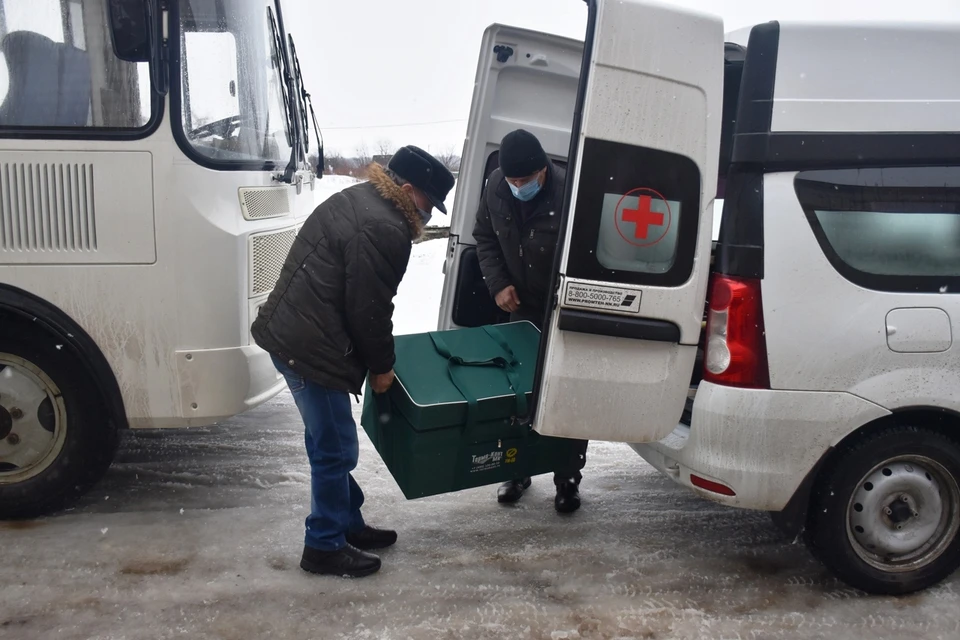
{"x": 375, "y": 64}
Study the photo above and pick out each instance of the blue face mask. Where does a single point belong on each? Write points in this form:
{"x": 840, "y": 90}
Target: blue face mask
{"x": 527, "y": 192}
{"x": 425, "y": 215}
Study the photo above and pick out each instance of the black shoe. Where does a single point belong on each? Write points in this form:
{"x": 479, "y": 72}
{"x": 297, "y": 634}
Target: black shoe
{"x": 348, "y": 562}
{"x": 568, "y": 497}
{"x": 371, "y": 538}
{"x": 512, "y": 491}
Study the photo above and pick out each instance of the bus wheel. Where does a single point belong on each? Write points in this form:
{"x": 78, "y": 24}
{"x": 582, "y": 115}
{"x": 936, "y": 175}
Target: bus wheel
{"x": 885, "y": 514}
{"x": 55, "y": 439}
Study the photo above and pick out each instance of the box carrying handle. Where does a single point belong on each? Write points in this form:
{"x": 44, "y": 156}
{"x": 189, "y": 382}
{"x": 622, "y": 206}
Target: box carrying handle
{"x": 509, "y": 367}
{"x": 507, "y": 364}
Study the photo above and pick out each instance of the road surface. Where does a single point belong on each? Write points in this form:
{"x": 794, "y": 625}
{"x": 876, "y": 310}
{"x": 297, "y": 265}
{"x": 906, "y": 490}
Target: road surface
{"x": 197, "y": 534}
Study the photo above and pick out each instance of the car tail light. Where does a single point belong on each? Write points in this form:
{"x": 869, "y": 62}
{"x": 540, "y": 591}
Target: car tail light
{"x": 736, "y": 348}
{"x": 711, "y": 486}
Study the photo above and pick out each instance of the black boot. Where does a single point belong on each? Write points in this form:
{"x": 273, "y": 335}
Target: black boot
{"x": 371, "y": 538}
{"x": 348, "y": 562}
{"x": 512, "y": 491}
{"x": 568, "y": 496}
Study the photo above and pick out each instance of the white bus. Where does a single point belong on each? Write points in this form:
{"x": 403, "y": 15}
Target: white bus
{"x": 153, "y": 174}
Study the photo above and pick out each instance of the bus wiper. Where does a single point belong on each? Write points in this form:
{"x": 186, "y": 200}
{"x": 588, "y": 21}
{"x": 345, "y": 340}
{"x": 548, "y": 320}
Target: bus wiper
{"x": 307, "y": 101}
{"x": 157, "y": 45}
{"x": 287, "y": 91}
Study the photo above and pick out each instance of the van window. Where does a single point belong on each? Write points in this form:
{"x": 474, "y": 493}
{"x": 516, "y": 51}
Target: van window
{"x": 58, "y": 69}
{"x": 891, "y": 229}
{"x": 637, "y": 215}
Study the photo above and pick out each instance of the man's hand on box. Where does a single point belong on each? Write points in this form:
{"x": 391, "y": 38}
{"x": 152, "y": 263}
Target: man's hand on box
{"x": 382, "y": 382}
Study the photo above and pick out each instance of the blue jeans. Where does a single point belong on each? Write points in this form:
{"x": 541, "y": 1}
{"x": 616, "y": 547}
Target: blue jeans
{"x": 333, "y": 450}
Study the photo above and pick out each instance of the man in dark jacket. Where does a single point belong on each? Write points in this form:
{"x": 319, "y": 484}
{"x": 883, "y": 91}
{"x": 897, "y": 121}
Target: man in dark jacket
{"x": 329, "y": 322}
{"x": 516, "y": 232}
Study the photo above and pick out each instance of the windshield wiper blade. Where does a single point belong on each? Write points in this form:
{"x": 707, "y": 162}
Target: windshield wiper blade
{"x": 159, "y": 55}
{"x": 287, "y": 89}
{"x": 307, "y": 101}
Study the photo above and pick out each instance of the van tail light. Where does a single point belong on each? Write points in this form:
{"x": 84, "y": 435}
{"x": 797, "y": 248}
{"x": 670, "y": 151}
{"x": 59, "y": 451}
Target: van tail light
{"x": 711, "y": 486}
{"x": 736, "y": 347}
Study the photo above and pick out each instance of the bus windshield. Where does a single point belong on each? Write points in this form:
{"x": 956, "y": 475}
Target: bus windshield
{"x": 233, "y": 104}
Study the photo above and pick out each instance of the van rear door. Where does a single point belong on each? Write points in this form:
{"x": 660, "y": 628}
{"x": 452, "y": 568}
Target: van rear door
{"x": 525, "y": 79}
{"x": 622, "y": 340}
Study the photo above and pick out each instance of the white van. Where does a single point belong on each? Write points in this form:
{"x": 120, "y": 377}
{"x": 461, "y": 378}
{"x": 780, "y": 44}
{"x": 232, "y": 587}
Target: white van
{"x": 830, "y": 390}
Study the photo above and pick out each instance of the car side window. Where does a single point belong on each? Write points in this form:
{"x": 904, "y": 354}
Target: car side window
{"x": 890, "y": 229}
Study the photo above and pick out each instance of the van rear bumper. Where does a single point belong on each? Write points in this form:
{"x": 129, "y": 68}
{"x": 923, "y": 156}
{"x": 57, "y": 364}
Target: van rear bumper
{"x": 759, "y": 443}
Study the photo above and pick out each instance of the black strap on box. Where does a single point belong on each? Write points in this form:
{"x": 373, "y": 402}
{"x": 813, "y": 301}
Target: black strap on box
{"x": 509, "y": 365}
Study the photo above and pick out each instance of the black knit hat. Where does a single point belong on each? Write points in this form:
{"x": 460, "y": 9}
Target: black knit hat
{"x": 521, "y": 154}
{"x": 423, "y": 171}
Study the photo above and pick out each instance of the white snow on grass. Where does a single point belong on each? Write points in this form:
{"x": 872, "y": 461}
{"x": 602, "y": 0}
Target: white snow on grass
{"x": 418, "y": 299}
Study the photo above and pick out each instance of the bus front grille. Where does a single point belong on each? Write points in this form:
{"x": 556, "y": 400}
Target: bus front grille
{"x": 260, "y": 203}
{"x": 268, "y": 251}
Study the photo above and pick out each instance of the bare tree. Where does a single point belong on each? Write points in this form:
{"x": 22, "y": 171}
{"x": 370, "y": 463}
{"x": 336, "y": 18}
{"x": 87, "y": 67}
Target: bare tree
{"x": 449, "y": 159}
{"x": 363, "y": 155}
{"x": 385, "y": 147}
{"x": 357, "y": 165}
{"x": 337, "y": 164}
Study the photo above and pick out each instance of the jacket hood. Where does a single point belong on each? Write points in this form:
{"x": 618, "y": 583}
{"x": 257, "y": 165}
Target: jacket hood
{"x": 391, "y": 191}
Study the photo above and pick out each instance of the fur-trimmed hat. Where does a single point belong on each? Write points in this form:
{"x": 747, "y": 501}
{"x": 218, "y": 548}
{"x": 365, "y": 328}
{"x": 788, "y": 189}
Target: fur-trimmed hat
{"x": 423, "y": 171}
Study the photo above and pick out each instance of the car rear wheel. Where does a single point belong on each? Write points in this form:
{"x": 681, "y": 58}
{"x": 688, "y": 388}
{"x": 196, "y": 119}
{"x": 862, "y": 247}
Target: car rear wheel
{"x": 55, "y": 439}
{"x": 885, "y": 514}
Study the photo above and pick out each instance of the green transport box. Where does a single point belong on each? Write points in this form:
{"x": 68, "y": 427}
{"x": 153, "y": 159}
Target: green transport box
{"x": 450, "y": 420}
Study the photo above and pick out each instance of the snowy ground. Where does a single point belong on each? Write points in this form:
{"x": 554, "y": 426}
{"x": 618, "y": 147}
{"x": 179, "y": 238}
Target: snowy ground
{"x": 197, "y": 534}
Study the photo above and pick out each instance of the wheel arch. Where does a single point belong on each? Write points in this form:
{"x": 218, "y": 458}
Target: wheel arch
{"x": 793, "y": 517}
{"x": 27, "y": 308}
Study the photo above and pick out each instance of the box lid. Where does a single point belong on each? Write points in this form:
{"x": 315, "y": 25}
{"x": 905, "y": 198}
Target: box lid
{"x": 431, "y": 391}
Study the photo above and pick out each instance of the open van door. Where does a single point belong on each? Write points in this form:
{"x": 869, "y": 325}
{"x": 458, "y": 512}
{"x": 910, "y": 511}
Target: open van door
{"x": 633, "y": 268}
{"x": 525, "y": 79}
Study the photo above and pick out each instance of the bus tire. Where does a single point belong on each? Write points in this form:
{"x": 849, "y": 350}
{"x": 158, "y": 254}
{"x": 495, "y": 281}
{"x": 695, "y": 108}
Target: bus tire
{"x": 56, "y": 439}
{"x": 885, "y": 512}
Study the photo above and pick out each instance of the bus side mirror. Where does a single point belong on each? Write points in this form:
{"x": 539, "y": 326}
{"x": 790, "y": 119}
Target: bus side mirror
{"x": 128, "y": 26}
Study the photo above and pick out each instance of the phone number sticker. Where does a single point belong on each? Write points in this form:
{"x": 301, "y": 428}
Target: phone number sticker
{"x": 593, "y": 296}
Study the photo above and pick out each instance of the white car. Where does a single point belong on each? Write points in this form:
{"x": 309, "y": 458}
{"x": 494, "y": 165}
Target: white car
{"x": 830, "y": 391}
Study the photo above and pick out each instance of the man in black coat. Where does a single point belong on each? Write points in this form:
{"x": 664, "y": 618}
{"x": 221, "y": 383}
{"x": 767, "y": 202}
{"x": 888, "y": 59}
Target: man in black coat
{"x": 516, "y": 232}
{"x": 329, "y": 322}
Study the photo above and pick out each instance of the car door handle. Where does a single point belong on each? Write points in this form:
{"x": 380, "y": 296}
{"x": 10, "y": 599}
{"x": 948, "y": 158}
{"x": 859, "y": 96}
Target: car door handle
{"x": 602, "y": 324}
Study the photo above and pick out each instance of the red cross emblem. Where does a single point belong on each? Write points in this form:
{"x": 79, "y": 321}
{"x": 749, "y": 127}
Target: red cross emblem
{"x": 644, "y": 218}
